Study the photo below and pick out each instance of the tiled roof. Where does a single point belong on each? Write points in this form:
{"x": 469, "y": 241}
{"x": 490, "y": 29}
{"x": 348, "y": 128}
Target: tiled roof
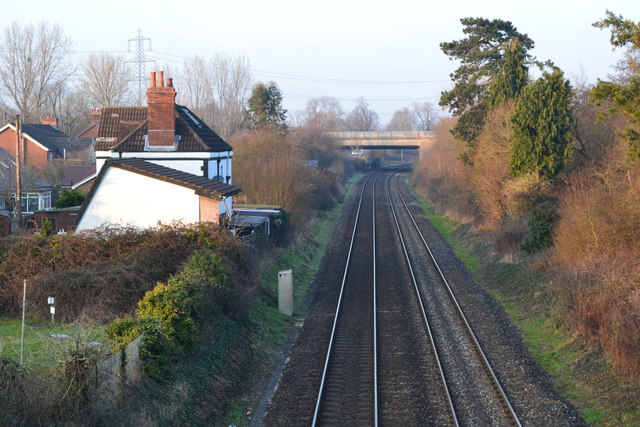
{"x": 202, "y": 185}
{"x": 116, "y": 123}
{"x": 202, "y": 134}
{"x": 124, "y": 129}
{"x": 44, "y": 134}
{"x": 71, "y": 143}
{"x": 76, "y": 173}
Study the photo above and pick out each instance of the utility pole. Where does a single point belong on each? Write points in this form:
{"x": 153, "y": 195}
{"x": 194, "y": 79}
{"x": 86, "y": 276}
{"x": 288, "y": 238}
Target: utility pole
{"x": 139, "y": 61}
{"x": 18, "y": 180}
{"x": 24, "y": 316}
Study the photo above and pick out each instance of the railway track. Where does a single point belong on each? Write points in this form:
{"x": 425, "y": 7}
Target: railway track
{"x": 348, "y": 388}
{"x": 400, "y": 350}
{"x": 455, "y": 398}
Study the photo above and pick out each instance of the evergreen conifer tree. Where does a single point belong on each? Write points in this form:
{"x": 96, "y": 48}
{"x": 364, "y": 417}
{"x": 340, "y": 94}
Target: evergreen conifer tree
{"x": 512, "y": 77}
{"x": 542, "y": 127}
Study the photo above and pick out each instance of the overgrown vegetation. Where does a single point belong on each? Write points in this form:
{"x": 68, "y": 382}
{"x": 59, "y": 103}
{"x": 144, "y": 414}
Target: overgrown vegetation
{"x": 275, "y": 168}
{"x": 566, "y": 204}
{"x": 207, "y": 282}
{"x": 95, "y": 275}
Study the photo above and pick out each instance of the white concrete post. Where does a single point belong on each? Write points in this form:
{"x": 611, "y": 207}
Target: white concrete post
{"x": 285, "y": 292}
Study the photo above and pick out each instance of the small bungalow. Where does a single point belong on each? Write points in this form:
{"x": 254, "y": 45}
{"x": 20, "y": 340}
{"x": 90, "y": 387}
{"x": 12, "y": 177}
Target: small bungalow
{"x": 78, "y": 177}
{"x": 138, "y": 193}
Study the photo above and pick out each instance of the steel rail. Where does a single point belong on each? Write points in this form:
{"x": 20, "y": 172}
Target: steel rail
{"x": 423, "y": 310}
{"x": 316, "y": 412}
{"x": 375, "y": 309}
{"x": 472, "y": 335}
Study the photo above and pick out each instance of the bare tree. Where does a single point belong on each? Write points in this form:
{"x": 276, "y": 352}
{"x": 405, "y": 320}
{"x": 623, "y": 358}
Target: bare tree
{"x": 216, "y": 90}
{"x": 33, "y": 60}
{"x": 195, "y": 88}
{"x": 105, "y": 80}
{"x": 324, "y": 113}
{"x": 362, "y": 118}
{"x": 402, "y": 120}
{"x": 70, "y": 105}
{"x": 232, "y": 83}
{"x": 427, "y": 115}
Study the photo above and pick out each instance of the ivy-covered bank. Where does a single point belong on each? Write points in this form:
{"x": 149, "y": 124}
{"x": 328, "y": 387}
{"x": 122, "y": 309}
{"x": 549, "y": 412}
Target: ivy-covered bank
{"x": 578, "y": 370}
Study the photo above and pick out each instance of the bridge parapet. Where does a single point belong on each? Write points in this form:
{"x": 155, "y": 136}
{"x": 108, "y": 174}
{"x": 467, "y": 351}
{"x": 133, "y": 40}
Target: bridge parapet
{"x": 388, "y": 135}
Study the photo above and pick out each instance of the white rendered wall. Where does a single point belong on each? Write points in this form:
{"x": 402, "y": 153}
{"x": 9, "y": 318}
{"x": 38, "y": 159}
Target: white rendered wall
{"x": 126, "y": 198}
{"x": 189, "y": 166}
{"x": 184, "y": 161}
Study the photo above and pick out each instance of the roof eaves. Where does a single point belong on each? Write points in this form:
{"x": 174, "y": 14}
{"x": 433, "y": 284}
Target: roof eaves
{"x": 83, "y": 181}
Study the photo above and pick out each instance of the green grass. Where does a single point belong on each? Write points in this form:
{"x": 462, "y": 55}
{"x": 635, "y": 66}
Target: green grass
{"x": 40, "y": 349}
{"x": 446, "y": 226}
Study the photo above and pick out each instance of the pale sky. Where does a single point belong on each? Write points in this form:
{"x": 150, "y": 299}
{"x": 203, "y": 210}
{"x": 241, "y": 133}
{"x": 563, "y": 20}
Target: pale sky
{"x": 387, "y": 52}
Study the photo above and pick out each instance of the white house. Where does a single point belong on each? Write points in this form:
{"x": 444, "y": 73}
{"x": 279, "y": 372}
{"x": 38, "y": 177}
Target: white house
{"x": 193, "y": 165}
{"x": 135, "y": 192}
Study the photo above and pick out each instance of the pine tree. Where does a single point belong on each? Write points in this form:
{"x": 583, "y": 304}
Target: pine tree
{"x": 542, "y": 127}
{"x": 512, "y": 77}
{"x": 264, "y": 109}
{"x": 481, "y": 56}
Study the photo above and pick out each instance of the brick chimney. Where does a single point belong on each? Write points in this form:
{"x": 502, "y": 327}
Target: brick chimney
{"x": 161, "y": 112}
{"x": 50, "y": 120}
{"x": 94, "y": 115}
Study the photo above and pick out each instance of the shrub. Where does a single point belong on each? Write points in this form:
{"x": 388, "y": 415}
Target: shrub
{"x": 69, "y": 198}
{"x": 490, "y": 168}
{"x": 542, "y": 221}
{"x": 156, "y": 350}
{"x": 47, "y": 228}
{"x": 207, "y": 266}
{"x": 520, "y": 195}
{"x": 172, "y": 306}
{"x": 444, "y": 178}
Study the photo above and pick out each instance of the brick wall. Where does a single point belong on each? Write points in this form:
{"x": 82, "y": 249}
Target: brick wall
{"x": 33, "y": 156}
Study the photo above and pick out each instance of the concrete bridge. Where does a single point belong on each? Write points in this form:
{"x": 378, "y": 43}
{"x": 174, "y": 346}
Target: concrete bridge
{"x": 393, "y": 140}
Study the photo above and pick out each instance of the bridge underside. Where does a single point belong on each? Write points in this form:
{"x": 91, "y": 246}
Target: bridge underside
{"x": 380, "y": 147}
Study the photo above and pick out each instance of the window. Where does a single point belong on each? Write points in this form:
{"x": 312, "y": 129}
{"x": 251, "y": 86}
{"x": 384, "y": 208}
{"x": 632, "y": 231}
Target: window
{"x": 32, "y": 202}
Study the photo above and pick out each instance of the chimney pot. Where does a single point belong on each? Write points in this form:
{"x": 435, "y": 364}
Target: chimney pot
{"x": 160, "y": 79}
{"x": 169, "y": 82}
{"x": 50, "y": 120}
{"x": 152, "y": 80}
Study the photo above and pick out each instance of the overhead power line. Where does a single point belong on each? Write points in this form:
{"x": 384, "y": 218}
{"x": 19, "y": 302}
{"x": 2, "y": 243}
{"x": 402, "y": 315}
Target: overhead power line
{"x": 319, "y": 79}
{"x": 420, "y": 98}
{"x": 347, "y": 81}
